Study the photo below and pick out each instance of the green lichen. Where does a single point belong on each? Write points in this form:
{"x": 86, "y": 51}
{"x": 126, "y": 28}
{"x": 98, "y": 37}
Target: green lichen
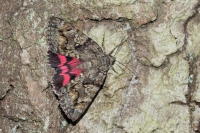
{"x": 64, "y": 123}
{"x": 46, "y": 123}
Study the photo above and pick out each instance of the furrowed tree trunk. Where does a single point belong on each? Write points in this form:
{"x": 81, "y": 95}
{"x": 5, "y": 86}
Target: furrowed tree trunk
{"x": 152, "y": 87}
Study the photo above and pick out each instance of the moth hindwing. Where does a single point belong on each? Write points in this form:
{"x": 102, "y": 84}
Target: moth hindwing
{"x": 81, "y": 67}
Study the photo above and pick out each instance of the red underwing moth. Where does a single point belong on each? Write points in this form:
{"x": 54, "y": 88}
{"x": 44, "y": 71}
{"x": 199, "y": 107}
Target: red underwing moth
{"x": 81, "y": 67}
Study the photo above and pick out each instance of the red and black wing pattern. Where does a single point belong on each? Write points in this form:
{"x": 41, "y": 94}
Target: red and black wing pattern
{"x": 65, "y": 67}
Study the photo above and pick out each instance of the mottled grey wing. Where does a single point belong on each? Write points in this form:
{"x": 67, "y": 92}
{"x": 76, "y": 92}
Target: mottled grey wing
{"x": 78, "y": 94}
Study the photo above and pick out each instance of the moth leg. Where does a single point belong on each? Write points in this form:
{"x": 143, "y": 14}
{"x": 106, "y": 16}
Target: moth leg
{"x": 103, "y": 46}
{"x": 114, "y": 70}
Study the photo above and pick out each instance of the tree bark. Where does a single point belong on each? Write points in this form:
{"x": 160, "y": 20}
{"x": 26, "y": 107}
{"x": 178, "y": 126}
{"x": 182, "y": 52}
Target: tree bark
{"x": 152, "y": 87}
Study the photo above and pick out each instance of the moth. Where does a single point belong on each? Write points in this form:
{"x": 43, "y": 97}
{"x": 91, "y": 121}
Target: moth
{"x": 81, "y": 67}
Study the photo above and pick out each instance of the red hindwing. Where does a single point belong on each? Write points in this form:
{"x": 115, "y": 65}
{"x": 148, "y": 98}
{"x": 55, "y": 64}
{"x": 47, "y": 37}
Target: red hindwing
{"x": 65, "y": 67}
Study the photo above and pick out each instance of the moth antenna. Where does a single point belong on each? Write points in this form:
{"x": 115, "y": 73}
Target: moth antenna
{"x": 114, "y": 70}
{"x": 118, "y": 46}
{"x": 120, "y": 67}
{"x": 124, "y": 66}
{"x": 103, "y": 46}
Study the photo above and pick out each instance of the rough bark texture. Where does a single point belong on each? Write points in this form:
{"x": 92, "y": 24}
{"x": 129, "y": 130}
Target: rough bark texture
{"x": 157, "y": 84}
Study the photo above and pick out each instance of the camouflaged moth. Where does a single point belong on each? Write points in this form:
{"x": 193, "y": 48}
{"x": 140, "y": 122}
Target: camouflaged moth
{"x": 81, "y": 67}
